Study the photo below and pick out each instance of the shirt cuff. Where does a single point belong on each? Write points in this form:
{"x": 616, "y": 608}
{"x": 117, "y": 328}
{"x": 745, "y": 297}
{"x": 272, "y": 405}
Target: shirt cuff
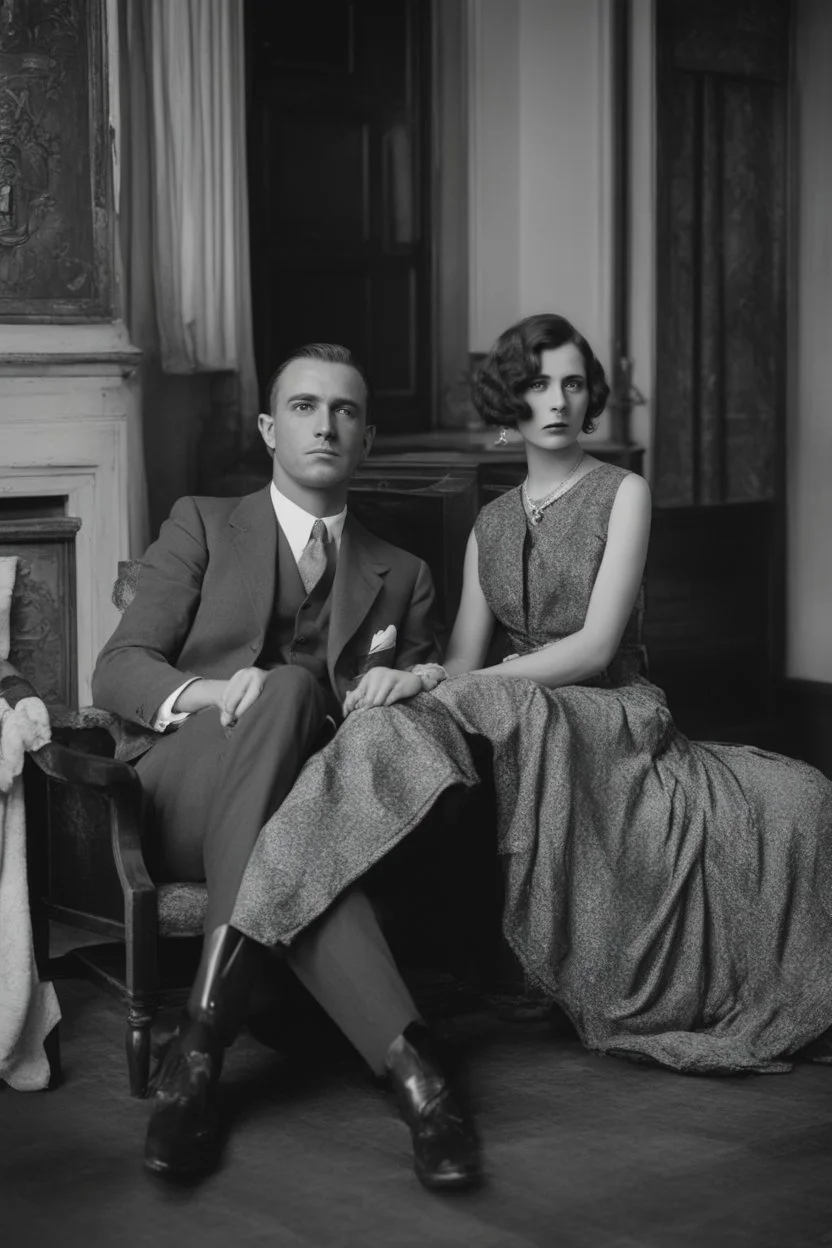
{"x": 166, "y": 717}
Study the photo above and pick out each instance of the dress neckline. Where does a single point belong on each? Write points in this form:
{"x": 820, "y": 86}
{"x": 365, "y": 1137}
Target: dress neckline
{"x": 565, "y": 493}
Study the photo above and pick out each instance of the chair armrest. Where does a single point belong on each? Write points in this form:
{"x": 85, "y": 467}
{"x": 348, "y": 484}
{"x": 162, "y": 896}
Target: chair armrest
{"x": 119, "y": 784}
{"x": 73, "y": 767}
{"x": 65, "y": 719}
{"x": 94, "y": 731}
{"x": 13, "y": 686}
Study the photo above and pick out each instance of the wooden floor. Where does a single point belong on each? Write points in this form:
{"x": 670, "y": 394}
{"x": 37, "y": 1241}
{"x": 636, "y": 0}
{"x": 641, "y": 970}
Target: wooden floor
{"x": 581, "y": 1152}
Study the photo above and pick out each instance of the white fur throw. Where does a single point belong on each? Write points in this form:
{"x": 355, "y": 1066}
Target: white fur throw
{"x": 28, "y": 1009}
{"x": 8, "y": 568}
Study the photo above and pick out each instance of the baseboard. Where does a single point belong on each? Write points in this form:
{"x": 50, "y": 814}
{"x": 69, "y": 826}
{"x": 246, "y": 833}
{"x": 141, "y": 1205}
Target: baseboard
{"x": 807, "y": 708}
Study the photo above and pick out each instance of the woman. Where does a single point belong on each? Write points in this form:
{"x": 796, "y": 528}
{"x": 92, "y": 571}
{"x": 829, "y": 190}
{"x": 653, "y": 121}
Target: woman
{"x": 671, "y": 897}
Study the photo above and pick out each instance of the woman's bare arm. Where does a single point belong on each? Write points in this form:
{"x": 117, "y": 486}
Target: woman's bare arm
{"x": 474, "y": 624}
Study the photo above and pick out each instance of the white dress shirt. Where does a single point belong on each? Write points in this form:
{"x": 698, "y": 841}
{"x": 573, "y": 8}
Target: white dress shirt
{"x": 297, "y": 529}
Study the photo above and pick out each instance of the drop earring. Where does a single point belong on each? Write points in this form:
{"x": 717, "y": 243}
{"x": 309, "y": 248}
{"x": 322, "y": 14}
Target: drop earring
{"x": 502, "y": 439}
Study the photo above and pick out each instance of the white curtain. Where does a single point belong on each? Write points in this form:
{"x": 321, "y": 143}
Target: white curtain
{"x": 194, "y": 111}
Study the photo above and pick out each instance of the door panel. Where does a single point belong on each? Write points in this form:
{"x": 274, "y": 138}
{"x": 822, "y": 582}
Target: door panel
{"x": 721, "y": 239}
{"x": 339, "y": 190}
{"x": 722, "y": 71}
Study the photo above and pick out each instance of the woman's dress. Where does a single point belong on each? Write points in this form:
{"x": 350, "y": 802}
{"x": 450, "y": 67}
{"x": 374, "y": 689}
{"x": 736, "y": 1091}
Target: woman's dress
{"x": 673, "y": 897}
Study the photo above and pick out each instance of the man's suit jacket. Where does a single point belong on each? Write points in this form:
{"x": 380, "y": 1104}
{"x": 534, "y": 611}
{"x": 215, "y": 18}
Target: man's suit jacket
{"x": 204, "y": 600}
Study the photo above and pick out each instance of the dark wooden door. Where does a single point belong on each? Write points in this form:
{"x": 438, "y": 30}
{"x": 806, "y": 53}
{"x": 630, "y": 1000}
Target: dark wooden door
{"x": 721, "y": 234}
{"x": 722, "y": 70}
{"x": 339, "y": 190}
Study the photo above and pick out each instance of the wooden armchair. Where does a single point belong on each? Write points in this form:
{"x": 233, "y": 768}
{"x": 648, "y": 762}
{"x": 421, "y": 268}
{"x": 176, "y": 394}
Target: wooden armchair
{"x": 87, "y": 870}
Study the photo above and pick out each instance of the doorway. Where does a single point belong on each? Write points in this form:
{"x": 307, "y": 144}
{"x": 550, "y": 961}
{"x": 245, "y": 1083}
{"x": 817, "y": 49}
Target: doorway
{"x": 340, "y": 191}
{"x": 716, "y": 620}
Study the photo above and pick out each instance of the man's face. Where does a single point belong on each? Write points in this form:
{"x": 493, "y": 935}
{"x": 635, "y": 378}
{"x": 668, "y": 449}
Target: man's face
{"x": 318, "y": 426}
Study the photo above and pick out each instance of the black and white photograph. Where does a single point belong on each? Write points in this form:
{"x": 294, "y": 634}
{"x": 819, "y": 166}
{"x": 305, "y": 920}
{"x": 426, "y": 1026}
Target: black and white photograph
{"x": 415, "y": 623}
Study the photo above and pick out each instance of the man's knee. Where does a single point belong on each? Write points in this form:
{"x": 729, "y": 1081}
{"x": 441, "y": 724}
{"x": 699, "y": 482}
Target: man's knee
{"x": 291, "y": 679}
{"x": 293, "y": 690}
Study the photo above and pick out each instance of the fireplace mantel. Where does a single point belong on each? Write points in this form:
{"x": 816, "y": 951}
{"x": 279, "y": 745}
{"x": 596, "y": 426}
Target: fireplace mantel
{"x": 68, "y": 395}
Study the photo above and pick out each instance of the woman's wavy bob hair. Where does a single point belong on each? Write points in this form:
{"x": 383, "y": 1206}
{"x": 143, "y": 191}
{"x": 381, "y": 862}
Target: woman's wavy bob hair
{"x": 513, "y": 363}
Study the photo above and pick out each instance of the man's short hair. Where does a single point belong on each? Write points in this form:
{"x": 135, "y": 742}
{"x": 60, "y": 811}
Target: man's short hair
{"x": 329, "y": 352}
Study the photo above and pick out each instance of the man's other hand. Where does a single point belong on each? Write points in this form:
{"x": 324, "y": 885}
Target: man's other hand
{"x": 381, "y": 686}
{"x": 239, "y": 693}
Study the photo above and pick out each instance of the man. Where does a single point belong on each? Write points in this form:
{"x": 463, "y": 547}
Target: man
{"x": 251, "y": 621}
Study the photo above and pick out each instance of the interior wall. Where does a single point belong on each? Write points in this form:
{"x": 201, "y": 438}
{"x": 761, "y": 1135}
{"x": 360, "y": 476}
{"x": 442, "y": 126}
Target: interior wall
{"x": 540, "y": 135}
{"x": 175, "y": 409}
{"x": 494, "y": 168}
{"x": 809, "y": 426}
{"x": 565, "y": 164}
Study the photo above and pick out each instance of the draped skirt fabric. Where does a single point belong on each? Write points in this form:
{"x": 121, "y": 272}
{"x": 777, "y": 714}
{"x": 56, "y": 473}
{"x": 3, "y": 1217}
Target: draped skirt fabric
{"x": 672, "y": 897}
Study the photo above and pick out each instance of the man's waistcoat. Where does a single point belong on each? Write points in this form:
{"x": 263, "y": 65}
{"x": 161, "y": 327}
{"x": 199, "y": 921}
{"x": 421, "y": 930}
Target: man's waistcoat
{"x": 299, "y": 627}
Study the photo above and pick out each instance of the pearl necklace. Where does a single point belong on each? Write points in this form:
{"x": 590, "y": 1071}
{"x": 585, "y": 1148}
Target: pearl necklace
{"x": 536, "y": 510}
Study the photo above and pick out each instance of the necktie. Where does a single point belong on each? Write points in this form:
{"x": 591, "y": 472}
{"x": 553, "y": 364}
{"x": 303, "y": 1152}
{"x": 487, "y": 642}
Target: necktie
{"x": 312, "y": 562}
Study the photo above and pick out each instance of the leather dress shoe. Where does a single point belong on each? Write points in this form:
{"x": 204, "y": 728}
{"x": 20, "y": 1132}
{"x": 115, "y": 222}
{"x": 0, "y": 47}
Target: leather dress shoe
{"x": 184, "y": 1139}
{"x": 445, "y": 1150}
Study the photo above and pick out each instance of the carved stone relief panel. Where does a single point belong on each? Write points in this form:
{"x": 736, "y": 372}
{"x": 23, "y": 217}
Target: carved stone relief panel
{"x": 55, "y": 201}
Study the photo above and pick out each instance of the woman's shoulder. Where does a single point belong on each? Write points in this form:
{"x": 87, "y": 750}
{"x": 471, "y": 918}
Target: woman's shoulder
{"x": 500, "y": 511}
{"x": 606, "y": 480}
{"x": 614, "y": 480}
{"x": 616, "y": 493}
{"x": 606, "y": 473}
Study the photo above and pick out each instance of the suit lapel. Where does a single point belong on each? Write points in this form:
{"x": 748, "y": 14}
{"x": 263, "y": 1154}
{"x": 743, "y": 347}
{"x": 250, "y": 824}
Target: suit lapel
{"x": 359, "y": 576}
{"x": 254, "y": 538}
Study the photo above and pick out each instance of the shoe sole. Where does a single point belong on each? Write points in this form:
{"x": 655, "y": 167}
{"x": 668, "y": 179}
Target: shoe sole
{"x": 164, "y": 1170}
{"x": 449, "y": 1183}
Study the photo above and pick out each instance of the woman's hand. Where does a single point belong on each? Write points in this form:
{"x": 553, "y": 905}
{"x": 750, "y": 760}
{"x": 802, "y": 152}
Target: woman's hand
{"x": 381, "y": 686}
{"x": 239, "y": 693}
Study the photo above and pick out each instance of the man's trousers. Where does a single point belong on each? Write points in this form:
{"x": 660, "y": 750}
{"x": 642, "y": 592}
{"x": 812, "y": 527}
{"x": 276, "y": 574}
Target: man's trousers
{"x": 211, "y": 789}
{"x": 209, "y": 792}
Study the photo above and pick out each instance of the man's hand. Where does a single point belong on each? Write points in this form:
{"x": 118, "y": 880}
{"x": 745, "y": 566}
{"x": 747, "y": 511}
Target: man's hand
{"x": 381, "y": 686}
{"x": 239, "y": 693}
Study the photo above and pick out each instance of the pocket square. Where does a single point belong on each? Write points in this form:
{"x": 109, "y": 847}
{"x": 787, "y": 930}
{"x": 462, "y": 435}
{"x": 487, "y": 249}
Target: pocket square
{"x": 385, "y": 639}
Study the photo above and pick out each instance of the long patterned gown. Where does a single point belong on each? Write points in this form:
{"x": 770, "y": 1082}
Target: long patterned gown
{"x": 673, "y": 897}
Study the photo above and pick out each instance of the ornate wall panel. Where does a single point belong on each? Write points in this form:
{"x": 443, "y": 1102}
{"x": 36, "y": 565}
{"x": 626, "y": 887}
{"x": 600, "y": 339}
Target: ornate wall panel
{"x": 43, "y": 604}
{"x": 55, "y": 201}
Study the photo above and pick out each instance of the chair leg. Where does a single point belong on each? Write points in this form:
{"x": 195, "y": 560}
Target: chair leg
{"x": 138, "y": 1048}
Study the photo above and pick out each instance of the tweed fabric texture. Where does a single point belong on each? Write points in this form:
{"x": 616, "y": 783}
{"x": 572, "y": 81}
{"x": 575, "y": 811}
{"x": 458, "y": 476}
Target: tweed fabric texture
{"x": 182, "y": 909}
{"x": 673, "y": 897}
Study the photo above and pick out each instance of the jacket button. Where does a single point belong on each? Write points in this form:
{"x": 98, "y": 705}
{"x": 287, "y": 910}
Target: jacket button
{"x": 300, "y": 641}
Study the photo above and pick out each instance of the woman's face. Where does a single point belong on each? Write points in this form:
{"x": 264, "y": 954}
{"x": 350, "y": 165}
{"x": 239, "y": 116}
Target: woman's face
{"x": 557, "y": 398}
